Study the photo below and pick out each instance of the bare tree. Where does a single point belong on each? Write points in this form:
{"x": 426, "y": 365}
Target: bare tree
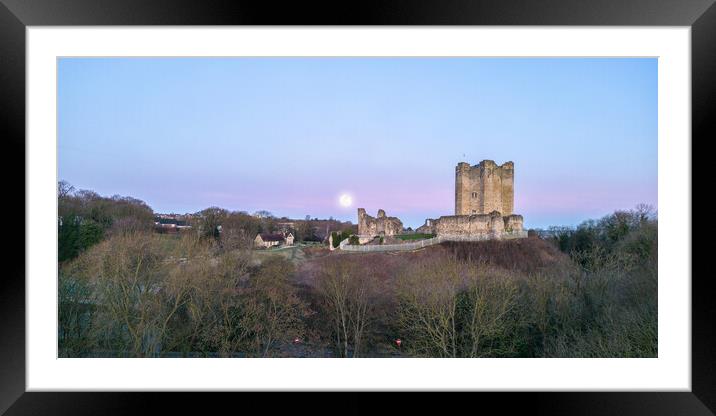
{"x": 451, "y": 308}
{"x": 271, "y": 308}
{"x": 213, "y": 296}
{"x": 490, "y": 300}
{"x": 238, "y": 231}
{"x": 64, "y": 189}
{"x": 347, "y": 296}
{"x": 645, "y": 212}
{"x": 138, "y": 295}
{"x": 427, "y": 297}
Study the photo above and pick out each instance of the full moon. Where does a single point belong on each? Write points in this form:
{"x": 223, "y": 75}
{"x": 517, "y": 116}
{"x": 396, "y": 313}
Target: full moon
{"x": 345, "y": 200}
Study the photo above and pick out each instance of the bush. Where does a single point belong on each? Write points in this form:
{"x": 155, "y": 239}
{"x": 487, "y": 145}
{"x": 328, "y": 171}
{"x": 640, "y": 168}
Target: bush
{"x": 631, "y": 231}
{"x": 75, "y": 314}
{"x": 75, "y": 235}
{"x": 342, "y": 235}
{"x": 407, "y": 237}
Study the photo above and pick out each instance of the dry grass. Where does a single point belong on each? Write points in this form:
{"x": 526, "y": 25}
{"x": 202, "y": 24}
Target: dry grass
{"x": 525, "y": 255}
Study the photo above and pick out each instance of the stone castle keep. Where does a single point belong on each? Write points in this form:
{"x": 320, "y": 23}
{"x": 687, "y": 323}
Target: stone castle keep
{"x": 484, "y": 205}
{"x": 484, "y": 188}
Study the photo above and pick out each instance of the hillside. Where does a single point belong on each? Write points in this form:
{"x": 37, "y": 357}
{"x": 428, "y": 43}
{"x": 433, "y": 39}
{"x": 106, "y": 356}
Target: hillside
{"x": 523, "y": 255}
{"x": 526, "y": 254}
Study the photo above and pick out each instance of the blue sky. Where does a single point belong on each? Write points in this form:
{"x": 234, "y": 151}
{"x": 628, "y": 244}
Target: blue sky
{"x": 290, "y": 135}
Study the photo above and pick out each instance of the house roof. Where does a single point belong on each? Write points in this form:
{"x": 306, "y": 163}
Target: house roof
{"x": 272, "y": 237}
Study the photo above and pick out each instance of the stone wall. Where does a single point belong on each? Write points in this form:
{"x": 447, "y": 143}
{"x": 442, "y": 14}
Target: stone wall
{"x": 382, "y": 225}
{"x": 514, "y": 223}
{"x": 484, "y": 188}
{"x": 427, "y": 228}
{"x": 507, "y": 175}
{"x": 472, "y": 225}
{"x": 469, "y": 224}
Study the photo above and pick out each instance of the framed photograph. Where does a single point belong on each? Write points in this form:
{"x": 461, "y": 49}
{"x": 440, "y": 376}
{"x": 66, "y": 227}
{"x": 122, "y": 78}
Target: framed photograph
{"x": 476, "y": 197}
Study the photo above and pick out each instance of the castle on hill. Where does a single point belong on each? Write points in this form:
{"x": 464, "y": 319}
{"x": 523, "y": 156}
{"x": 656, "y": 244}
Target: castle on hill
{"x": 484, "y": 205}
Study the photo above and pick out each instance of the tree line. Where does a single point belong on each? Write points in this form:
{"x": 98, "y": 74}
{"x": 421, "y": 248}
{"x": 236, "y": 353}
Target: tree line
{"x": 85, "y": 218}
{"x": 590, "y": 291}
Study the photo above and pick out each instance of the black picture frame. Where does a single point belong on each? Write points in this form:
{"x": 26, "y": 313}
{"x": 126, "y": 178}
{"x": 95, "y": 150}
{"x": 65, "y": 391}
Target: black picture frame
{"x": 16, "y": 15}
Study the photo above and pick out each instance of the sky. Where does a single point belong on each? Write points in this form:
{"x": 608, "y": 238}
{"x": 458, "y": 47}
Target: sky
{"x": 291, "y": 135}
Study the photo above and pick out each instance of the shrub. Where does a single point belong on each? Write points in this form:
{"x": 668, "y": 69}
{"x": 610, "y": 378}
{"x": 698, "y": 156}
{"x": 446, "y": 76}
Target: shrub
{"x": 339, "y": 236}
{"x": 75, "y": 235}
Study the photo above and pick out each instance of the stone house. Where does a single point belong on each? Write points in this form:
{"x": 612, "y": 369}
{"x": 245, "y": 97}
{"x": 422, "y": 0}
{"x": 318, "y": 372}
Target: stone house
{"x": 266, "y": 240}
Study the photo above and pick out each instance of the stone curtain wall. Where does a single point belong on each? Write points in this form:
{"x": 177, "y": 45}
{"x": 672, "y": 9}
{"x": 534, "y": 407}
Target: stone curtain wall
{"x": 472, "y": 224}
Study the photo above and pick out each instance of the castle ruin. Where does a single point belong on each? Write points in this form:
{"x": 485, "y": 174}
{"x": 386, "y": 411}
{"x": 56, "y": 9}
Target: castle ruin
{"x": 382, "y": 225}
{"x": 484, "y": 205}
